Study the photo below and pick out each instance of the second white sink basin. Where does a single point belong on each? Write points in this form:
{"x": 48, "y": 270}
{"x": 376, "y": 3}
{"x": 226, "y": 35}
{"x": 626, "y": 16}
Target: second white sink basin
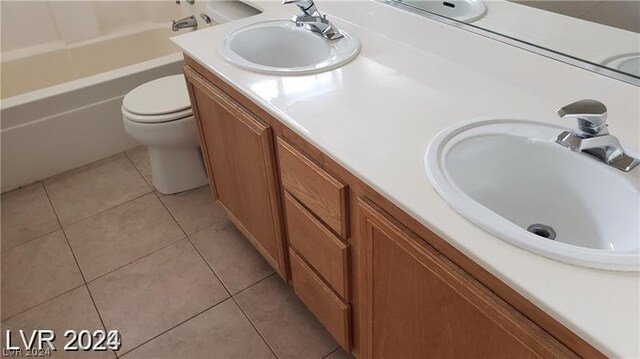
{"x": 281, "y": 47}
{"x": 511, "y": 179}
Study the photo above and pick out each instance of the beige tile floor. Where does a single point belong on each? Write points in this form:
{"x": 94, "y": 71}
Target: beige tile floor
{"x": 98, "y": 248}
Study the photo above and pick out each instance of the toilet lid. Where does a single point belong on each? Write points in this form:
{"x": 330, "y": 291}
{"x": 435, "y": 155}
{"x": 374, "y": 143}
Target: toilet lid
{"x": 158, "y": 97}
{"x": 167, "y": 117}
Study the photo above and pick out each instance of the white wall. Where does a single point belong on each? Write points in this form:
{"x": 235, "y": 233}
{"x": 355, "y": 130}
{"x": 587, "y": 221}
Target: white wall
{"x": 622, "y": 14}
{"x": 25, "y": 24}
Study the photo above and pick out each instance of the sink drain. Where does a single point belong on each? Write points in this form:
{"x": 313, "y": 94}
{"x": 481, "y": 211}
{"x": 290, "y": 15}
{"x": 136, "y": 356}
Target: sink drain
{"x": 542, "y": 230}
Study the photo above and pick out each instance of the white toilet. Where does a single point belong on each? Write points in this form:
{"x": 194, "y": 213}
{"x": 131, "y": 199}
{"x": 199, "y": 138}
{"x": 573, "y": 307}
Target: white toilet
{"x": 158, "y": 115}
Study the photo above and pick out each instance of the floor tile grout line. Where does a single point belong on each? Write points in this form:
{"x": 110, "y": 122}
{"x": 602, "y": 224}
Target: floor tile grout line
{"x": 89, "y": 166}
{"x": 84, "y": 279}
{"x": 333, "y": 351}
{"x": 106, "y": 209}
{"x": 135, "y": 260}
{"x": 210, "y": 268}
{"x": 52, "y": 209}
{"x": 173, "y": 327}
{"x": 259, "y": 280}
{"x": 172, "y": 216}
{"x": 20, "y": 187}
{"x": 31, "y": 240}
{"x": 158, "y": 194}
{"x": 42, "y": 303}
{"x": 254, "y": 326}
{"x": 212, "y": 271}
{"x": 86, "y": 283}
{"x": 232, "y": 297}
{"x": 137, "y": 169}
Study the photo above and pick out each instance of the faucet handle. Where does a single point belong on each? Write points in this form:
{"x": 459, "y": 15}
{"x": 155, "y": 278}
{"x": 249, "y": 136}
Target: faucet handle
{"x": 590, "y": 114}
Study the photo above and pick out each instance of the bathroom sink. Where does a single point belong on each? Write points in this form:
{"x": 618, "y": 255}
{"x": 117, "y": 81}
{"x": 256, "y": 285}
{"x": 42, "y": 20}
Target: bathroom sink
{"x": 281, "y": 47}
{"x": 460, "y": 10}
{"x": 510, "y": 178}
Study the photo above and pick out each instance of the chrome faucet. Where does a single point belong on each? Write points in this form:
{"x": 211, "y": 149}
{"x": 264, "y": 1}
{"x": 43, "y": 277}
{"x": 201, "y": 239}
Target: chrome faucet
{"x": 592, "y": 137}
{"x": 313, "y": 20}
{"x": 184, "y": 23}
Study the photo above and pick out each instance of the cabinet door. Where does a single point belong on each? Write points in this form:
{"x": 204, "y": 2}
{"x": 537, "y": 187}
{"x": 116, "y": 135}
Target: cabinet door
{"x": 240, "y": 154}
{"x": 417, "y": 304}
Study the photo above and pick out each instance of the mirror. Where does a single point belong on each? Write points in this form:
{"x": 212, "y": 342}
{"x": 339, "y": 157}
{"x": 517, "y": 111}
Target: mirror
{"x": 599, "y": 35}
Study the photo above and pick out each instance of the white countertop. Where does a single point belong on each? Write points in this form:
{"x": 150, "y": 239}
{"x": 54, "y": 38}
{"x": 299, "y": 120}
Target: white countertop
{"x": 414, "y": 76}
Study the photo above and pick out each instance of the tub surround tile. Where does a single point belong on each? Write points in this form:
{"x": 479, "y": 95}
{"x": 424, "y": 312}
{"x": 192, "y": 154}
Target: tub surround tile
{"x": 232, "y": 257}
{"x": 284, "y": 322}
{"x": 122, "y": 234}
{"x": 36, "y": 272}
{"x": 26, "y": 215}
{"x": 73, "y": 310}
{"x": 139, "y": 156}
{"x": 81, "y": 193}
{"x": 155, "y": 293}
{"x": 220, "y": 332}
{"x": 194, "y": 210}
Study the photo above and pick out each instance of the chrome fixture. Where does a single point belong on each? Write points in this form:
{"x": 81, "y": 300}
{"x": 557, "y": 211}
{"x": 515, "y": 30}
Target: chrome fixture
{"x": 206, "y": 18}
{"x": 592, "y": 137}
{"x": 184, "y": 23}
{"x": 313, "y": 20}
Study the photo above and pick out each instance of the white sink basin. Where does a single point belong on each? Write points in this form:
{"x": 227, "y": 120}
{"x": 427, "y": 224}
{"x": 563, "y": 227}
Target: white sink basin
{"x": 461, "y": 10}
{"x": 281, "y": 47}
{"x": 507, "y": 175}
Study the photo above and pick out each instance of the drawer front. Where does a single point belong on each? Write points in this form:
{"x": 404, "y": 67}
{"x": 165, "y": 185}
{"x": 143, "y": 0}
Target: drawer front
{"x": 324, "y": 195}
{"x": 327, "y": 254}
{"x": 330, "y": 310}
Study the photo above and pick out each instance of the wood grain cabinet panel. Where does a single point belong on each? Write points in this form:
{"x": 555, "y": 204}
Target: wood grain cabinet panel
{"x": 410, "y": 293}
{"x": 323, "y": 194}
{"x": 240, "y": 152}
{"x": 417, "y": 304}
{"x": 332, "y": 312}
{"x": 328, "y": 255}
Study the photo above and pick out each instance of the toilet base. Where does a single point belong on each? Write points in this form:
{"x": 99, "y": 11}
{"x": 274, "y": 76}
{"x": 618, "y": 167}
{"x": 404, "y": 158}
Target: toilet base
{"x": 176, "y": 170}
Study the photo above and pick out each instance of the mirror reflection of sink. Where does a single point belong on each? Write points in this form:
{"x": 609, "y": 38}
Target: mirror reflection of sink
{"x": 511, "y": 179}
{"x": 281, "y": 47}
{"x": 461, "y": 10}
{"x": 627, "y": 63}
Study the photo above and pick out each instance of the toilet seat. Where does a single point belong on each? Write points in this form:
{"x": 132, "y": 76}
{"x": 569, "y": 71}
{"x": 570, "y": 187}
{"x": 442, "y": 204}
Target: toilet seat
{"x": 161, "y": 100}
{"x": 157, "y": 118}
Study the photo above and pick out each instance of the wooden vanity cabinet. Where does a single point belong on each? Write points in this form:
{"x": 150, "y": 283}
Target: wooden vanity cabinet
{"x": 382, "y": 284}
{"x": 238, "y": 149}
{"x": 418, "y": 304}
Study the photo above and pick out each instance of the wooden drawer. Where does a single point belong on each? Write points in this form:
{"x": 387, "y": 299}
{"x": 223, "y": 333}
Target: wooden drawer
{"x": 324, "y": 195}
{"x": 330, "y": 310}
{"x": 327, "y": 254}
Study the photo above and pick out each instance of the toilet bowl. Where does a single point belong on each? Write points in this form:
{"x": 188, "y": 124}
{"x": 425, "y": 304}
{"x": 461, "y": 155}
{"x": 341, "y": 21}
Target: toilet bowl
{"x": 158, "y": 115}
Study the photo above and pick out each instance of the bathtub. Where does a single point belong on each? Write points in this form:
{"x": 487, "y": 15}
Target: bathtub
{"x": 68, "y": 114}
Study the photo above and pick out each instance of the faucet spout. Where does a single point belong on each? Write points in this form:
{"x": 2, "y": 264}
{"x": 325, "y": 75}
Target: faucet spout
{"x": 187, "y": 22}
{"x": 592, "y": 137}
{"x": 318, "y": 24}
{"x": 313, "y": 20}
